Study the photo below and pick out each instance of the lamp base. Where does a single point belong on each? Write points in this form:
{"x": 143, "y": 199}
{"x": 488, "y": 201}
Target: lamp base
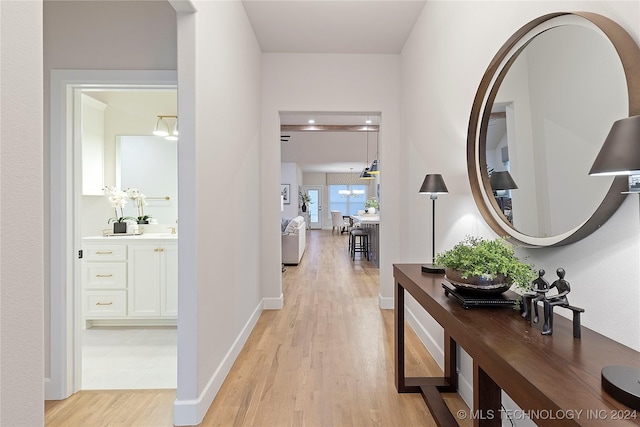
{"x": 623, "y": 384}
{"x": 432, "y": 269}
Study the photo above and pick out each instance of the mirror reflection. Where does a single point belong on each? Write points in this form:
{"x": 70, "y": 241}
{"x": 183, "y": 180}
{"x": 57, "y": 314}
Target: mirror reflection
{"x": 551, "y": 113}
{"x": 150, "y": 165}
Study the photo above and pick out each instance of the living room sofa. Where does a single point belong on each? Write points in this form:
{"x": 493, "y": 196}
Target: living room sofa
{"x": 294, "y": 240}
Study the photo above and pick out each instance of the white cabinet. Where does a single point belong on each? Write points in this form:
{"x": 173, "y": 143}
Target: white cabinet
{"x": 130, "y": 281}
{"x": 153, "y": 280}
{"x": 169, "y": 281}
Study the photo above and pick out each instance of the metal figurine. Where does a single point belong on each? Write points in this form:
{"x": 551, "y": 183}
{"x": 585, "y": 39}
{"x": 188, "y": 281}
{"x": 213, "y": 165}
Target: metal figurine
{"x": 530, "y": 300}
{"x": 541, "y": 288}
{"x": 559, "y": 299}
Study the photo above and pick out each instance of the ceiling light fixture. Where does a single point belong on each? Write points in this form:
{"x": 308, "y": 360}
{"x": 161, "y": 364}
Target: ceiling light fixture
{"x": 162, "y": 127}
{"x": 374, "y": 169}
{"x": 311, "y": 121}
{"x": 365, "y": 172}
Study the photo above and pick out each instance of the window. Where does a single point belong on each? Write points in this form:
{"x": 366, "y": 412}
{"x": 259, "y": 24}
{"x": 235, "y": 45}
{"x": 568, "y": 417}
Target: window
{"x": 348, "y": 199}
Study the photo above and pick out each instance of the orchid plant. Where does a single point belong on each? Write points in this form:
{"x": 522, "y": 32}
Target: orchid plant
{"x": 140, "y": 201}
{"x": 118, "y": 200}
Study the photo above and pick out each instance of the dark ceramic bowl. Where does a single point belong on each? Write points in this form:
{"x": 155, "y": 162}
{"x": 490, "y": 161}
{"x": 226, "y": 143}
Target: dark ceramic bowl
{"x": 478, "y": 284}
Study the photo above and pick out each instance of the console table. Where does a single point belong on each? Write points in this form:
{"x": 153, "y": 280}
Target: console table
{"x": 554, "y": 379}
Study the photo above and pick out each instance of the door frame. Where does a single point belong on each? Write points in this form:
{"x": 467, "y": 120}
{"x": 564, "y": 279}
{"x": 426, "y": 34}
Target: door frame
{"x": 320, "y": 189}
{"x": 64, "y": 229}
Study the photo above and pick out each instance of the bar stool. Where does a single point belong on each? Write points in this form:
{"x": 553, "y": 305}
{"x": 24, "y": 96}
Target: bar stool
{"x": 359, "y": 242}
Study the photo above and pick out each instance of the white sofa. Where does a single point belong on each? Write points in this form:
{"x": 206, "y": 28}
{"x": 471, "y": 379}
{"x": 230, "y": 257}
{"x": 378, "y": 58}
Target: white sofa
{"x": 294, "y": 241}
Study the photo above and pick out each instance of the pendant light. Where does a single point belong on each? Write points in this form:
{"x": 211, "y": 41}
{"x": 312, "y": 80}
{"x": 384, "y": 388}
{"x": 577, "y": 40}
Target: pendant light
{"x": 162, "y": 128}
{"x": 365, "y": 172}
{"x": 375, "y": 165}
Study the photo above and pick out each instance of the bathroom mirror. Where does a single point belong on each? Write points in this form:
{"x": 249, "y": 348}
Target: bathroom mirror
{"x": 543, "y": 109}
{"x": 149, "y": 164}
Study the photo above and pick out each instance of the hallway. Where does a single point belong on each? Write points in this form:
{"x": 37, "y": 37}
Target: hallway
{"x": 325, "y": 359}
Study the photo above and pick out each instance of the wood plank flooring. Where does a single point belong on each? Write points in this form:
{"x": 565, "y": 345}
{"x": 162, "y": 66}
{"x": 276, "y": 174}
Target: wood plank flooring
{"x": 325, "y": 359}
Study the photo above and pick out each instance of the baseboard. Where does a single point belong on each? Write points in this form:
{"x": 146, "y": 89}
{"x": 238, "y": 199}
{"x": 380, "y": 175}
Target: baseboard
{"x": 273, "y": 303}
{"x": 191, "y": 412}
{"x": 385, "y": 303}
{"x": 48, "y": 390}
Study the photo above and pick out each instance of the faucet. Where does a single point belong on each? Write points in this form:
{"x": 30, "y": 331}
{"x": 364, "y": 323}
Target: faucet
{"x": 173, "y": 230}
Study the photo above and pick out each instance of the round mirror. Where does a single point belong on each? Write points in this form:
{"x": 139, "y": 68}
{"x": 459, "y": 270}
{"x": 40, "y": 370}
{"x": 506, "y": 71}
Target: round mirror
{"x": 543, "y": 109}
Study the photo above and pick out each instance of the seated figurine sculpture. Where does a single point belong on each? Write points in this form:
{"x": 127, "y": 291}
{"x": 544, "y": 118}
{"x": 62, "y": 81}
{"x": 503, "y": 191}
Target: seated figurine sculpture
{"x": 540, "y": 286}
{"x": 560, "y": 299}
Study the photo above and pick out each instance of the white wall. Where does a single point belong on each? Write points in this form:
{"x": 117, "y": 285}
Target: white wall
{"x": 21, "y": 207}
{"x": 442, "y": 64}
{"x": 341, "y": 83}
{"x": 289, "y": 173}
{"x": 220, "y": 200}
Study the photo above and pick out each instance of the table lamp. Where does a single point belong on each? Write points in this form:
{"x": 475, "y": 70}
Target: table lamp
{"x": 502, "y": 181}
{"x": 620, "y": 155}
{"x": 433, "y": 185}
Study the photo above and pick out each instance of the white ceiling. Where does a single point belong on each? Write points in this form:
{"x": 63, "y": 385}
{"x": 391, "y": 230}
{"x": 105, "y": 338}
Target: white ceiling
{"x": 329, "y": 152}
{"x": 331, "y": 26}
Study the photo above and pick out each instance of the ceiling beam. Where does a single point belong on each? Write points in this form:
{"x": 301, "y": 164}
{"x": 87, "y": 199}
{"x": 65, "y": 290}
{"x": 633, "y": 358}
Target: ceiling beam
{"x": 329, "y": 128}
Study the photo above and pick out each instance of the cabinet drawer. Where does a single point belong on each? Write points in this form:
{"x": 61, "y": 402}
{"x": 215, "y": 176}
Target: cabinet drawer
{"x": 105, "y": 252}
{"x": 105, "y": 304}
{"x": 104, "y": 275}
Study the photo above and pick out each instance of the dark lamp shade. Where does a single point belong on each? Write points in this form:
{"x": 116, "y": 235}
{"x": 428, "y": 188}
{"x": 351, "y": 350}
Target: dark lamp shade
{"x": 366, "y": 175}
{"x": 433, "y": 184}
{"x": 620, "y": 153}
{"x": 502, "y": 181}
{"x": 375, "y": 168}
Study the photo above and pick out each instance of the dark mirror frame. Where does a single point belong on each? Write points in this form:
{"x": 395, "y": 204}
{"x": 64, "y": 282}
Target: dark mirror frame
{"x": 629, "y": 55}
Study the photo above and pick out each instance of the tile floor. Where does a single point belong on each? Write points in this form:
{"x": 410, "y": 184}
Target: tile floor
{"x": 129, "y": 358}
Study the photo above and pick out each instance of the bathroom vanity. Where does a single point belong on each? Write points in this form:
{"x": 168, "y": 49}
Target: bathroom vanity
{"x": 130, "y": 280}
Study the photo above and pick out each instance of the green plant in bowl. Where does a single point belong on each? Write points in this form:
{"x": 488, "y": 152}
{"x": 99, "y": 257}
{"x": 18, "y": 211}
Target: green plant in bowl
{"x": 488, "y": 266}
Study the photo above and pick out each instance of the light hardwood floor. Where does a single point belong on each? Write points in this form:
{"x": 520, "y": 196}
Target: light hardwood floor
{"x": 325, "y": 359}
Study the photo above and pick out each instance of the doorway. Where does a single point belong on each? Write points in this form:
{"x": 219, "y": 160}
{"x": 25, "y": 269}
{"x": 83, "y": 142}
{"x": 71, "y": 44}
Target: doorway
{"x": 126, "y": 340}
{"x": 315, "y": 206}
{"x": 68, "y": 211}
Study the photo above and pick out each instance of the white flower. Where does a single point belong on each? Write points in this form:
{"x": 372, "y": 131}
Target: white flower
{"x": 117, "y": 199}
{"x": 139, "y": 198}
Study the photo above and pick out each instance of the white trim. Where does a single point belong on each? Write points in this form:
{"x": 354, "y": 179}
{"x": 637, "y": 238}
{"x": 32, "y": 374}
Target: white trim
{"x": 183, "y": 6}
{"x": 273, "y": 303}
{"x": 191, "y": 412}
{"x": 63, "y": 236}
{"x": 385, "y": 303}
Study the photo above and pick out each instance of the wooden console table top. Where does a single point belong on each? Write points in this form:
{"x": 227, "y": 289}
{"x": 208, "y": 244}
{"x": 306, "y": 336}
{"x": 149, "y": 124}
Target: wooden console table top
{"x": 557, "y": 372}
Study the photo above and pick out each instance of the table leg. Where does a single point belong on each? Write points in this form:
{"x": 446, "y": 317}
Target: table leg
{"x": 487, "y": 399}
{"x": 399, "y": 337}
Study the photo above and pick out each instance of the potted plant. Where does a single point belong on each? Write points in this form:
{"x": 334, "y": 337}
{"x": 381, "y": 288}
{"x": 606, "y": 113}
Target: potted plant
{"x": 485, "y": 266}
{"x": 140, "y": 200}
{"x": 371, "y": 205}
{"x": 118, "y": 199}
{"x": 304, "y": 198}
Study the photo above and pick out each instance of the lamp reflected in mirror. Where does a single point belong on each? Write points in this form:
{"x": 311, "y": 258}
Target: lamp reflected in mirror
{"x": 501, "y": 183}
